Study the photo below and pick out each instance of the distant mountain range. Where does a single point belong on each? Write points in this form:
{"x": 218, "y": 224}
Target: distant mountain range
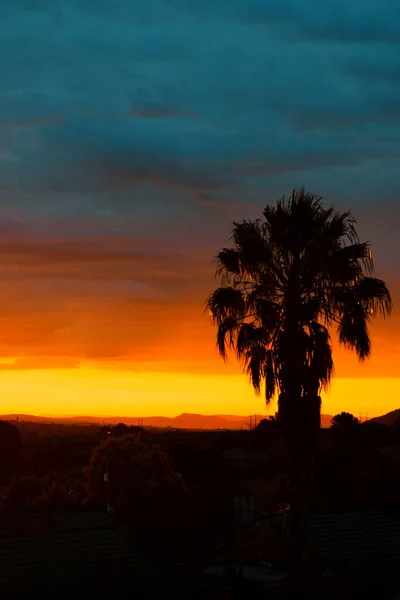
{"x": 183, "y": 421}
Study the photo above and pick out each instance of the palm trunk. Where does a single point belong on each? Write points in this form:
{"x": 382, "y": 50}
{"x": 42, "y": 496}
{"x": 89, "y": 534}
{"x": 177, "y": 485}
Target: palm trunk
{"x": 296, "y": 541}
{"x": 298, "y": 507}
{"x": 300, "y": 422}
{"x": 290, "y": 425}
{"x": 297, "y": 426}
{"x": 296, "y": 530}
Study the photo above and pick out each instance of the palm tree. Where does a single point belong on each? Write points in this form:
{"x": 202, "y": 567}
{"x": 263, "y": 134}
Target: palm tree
{"x": 287, "y": 278}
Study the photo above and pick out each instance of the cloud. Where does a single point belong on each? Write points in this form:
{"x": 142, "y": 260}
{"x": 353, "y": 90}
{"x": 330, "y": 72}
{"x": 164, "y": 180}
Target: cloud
{"x": 133, "y": 134}
{"x": 159, "y": 113}
{"x": 339, "y": 21}
{"x": 197, "y": 94}
{"x": 148, "y": 265}
{"x": 40, "y": 363}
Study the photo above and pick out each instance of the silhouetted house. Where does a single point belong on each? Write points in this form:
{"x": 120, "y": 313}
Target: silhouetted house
{"x": 349, "y": 555}
{"x": 355, "y": 552}
{"x": 348, "y": 542}
{"x": 392, "y": 452}
{"x": 68, "y": 556}
{"x": 243, "y": 509}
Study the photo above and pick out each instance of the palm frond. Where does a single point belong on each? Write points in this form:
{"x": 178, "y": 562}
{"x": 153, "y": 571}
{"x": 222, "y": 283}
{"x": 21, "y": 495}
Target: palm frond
{"x": 226, "y": 302}
{"x": 321, "y": 365}
{"x": 342, "y": 226}
{"x": 250, "y": 244}
{"x": 353, "y": 331}
{"x": 249, "y": 335}
{"x": 227, "y": 327}
{"x": 268, "y": 312}
{"x": 348, "y": 263}
{"x": 289, "y": 276}
{"x": 246, "y": 337}
{"x": 256, "y": 358}
{"x": 337, "y": 227}
{"x": 374, "y": 295}
{"x": 357, "y": 251}
{"x": 269, "y": 376}
{"x": 228, "y": 263}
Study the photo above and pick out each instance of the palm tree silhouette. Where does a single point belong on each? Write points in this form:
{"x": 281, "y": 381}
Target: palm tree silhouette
{"x": 287, "y": 278}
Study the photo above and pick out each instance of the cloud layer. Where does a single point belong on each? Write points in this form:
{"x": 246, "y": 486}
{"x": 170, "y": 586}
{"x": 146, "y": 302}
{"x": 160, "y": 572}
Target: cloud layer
{"x": 131, "y": 136}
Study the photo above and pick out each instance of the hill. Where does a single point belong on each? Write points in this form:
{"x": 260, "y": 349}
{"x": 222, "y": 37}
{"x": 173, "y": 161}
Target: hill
{"x": 389, "y": 419}
{"x": 183, "y": 421}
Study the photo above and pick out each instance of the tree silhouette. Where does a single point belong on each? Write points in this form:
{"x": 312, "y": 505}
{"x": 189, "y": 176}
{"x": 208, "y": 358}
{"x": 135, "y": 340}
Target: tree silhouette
{"x": 266, "y": 431}
{"x": 344, "y": 420}
{"x": 121, "y": 429}
{"x": 37, "y": 494}
{"x": 24, "y": 493}
{"x": 286, "y": 279}
{"x": 142, "y": 487}
{"x": 10, "y": 450}
{"x": 345, "y": 427}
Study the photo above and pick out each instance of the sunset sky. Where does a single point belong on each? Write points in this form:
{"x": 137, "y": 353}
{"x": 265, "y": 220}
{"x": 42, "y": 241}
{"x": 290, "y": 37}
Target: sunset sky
{"x": 131, "y": 135}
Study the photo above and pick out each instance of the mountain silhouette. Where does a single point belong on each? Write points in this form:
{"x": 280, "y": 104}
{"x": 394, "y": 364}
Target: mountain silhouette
{"x": 389, "y": 418}
{"x": 183, "y": 421}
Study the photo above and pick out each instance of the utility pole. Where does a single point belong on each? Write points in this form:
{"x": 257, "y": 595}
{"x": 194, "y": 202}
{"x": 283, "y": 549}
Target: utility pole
{"x": 107, "y": 498}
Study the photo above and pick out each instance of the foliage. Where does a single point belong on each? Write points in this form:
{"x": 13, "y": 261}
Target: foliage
{"x": 10, "y": 449}
{"x": 301, "y": 266}
{"x": 344, "y": 421}
{"x": 142, "y": 487}
{"x": 134, "y": 470}
{"x": 266, "y": 433}
{"x": 120, "y": 429}
{"x": 267, "y": 425}
{"x": 286, "y": 280}
{"x": 52, "y": 492}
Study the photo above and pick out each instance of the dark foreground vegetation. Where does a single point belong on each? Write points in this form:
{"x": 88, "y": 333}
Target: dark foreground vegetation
{"x": 174, "y": 490}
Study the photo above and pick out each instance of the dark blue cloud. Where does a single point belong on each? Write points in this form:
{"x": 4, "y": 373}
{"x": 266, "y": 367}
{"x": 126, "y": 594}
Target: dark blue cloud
{"x": 108, "y": 107}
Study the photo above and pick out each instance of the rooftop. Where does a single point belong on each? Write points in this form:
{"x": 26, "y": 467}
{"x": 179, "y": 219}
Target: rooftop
{"x": 39, "y": 553}
{"x": 352, "y": 541}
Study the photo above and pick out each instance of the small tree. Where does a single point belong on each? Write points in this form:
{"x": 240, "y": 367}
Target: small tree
{"x": 25, "y": 494}
{"x": 267, "y": 433}
{"x": 10, "y": 450}
{"x": 344, "y": 421}
{"x": 38, "y": 494}
{"x": 146, "y": 493}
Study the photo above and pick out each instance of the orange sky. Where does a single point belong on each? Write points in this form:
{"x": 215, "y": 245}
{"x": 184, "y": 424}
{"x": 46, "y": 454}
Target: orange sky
{"x": 128, "y": 146}
{"x": 113, "y": 324}
{"x": 72, "y": 346}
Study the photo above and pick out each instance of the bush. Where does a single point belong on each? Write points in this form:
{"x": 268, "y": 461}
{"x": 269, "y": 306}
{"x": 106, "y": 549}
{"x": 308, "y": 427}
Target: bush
{"x": 10, "y": 450}
{"x": 142, "y": 487}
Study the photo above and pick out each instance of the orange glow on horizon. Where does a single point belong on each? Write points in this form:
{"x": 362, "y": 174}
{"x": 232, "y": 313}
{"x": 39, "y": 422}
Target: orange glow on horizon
{"x": 92, "y": 392}
{"x": 99, "y": 326}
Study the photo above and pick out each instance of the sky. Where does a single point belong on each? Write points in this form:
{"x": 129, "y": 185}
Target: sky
{"x": 132, "y": 134}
